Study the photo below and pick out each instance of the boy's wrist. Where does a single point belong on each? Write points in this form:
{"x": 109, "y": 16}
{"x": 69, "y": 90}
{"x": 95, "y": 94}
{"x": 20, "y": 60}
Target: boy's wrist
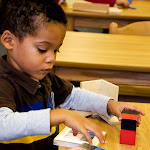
{"x": 109, "y": 106}
{"x": 57, "y": 116}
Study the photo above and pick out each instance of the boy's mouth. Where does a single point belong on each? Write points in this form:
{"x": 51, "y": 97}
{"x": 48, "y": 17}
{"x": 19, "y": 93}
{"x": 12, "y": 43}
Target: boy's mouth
{"x": 45, "y": 70}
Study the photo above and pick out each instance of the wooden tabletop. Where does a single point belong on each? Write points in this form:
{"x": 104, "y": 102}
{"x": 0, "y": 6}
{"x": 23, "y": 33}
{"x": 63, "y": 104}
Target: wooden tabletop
{"x": 113, "y": 132}
{"x": 120, "y": 59}
{"x": 142, "y": 11}
{"x": 105, "y": 51}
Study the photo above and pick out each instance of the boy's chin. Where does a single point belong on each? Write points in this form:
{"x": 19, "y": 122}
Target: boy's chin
{"x": 37, "y": 79}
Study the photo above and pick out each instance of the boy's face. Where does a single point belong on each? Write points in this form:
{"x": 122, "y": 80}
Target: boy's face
{"x": 36, "y": 55}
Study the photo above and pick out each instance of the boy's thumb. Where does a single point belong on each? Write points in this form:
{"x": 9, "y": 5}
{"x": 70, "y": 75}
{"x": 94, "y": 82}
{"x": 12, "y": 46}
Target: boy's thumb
{"x": 119, "y": 115}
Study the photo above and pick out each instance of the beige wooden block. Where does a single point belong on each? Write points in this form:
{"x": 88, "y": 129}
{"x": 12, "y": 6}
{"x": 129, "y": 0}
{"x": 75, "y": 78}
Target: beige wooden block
{"x": 101, "y": 87}
{"x": 91, "y": 7}
{"x": 114, "y": 11}
{"x": 106, "y": 88}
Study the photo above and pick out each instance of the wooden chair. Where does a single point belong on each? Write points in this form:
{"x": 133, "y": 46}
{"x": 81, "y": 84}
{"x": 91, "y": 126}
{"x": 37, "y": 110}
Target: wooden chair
{"x": 137, "y": 28}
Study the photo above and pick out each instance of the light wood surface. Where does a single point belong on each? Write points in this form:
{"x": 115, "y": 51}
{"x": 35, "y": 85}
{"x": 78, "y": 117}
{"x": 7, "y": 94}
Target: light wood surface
{"x": 95, "y": 50}
{"x": 113, "y": 132}
{"x": 91, "y": 7}
{"x": 120, "y": 59}
{"x": 100, "y": 20}
{"x": 136, "y": 28}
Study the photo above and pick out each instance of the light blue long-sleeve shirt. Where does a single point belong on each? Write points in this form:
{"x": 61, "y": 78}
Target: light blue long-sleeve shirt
{"x": 14, "y": 125}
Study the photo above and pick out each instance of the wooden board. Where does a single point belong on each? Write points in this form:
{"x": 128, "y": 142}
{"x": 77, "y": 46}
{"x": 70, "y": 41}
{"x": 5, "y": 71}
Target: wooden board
{"x": 91, "y": 7}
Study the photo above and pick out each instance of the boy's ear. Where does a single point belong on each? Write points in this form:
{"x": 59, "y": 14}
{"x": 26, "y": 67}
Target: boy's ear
{"x": 7, "y": 39}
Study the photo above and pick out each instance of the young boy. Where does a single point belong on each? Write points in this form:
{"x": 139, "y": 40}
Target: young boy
{"x": 32, "y": 32}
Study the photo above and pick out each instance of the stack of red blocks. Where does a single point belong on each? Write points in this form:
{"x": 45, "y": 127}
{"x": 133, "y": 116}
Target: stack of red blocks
{"x": 128, "y": 127}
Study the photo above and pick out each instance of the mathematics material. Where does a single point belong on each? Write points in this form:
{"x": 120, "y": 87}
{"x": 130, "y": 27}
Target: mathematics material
{"x": 67, "y": 139}
{"x": 86, "y": 146}
{"x": 128, "y": 127}
{"x": 105, "y": 88}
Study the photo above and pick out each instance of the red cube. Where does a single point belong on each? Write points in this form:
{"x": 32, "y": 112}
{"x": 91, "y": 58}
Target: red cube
{"x": 127, "y": 137}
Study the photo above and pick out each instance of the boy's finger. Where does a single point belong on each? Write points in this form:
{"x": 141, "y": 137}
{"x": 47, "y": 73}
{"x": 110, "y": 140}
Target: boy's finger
{"x": 138, "y": 120}
{"x": 129, "y": 107}
{"x": 118, "y": 113}
{"x": 99, "y": 135}
{"x": 75, "y": 132}
{"x": 87, "y": 135}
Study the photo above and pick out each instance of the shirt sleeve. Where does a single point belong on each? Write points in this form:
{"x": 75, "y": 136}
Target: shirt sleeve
{"x": 81, "y": 99}
{"x": 110, "y": 2}
{"x": 14, "y": 125}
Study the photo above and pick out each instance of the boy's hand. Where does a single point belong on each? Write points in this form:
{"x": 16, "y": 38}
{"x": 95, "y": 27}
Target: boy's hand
{"x": 78, "y": 123}
{"x": 123, "y": 3}
{"x": 116, "y": 108}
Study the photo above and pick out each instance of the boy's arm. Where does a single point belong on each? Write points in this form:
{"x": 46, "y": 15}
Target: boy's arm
{"x": 84, "y": 100}
{"x": 17, "y": 125}
{"x": 14, "y": 125}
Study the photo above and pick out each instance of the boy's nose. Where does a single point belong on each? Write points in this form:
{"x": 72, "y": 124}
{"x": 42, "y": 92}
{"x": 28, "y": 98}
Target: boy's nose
{"x": 50, "y": 58}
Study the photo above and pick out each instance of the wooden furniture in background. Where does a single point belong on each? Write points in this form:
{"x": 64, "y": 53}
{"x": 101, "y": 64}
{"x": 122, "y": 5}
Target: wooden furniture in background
{"x": 100, "y": 20}
{"x": 91, "y": 7}
{"x": 136, "y": 28}
{"x": 113, "y": 132}
{"x": 105, "y": 88}
{"x": 120, "y": 59}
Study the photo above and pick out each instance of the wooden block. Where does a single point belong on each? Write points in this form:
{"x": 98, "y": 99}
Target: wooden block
{"x": 105, "y": 88}
{"x": 66, "y": 138}
{"x": 91, "y": 7}
{"x": 101, "y": 87}
{"x": 130, "y": 112}
{"x": 127, "y": 137}
{"x": 128, "y": 127}
{"x": 114, "y": 11}
{"x": 128, "y": 124}
{"x": 129, "y": 120}
{"x": 130, "y": 116}
{"x": 86, "y": 146}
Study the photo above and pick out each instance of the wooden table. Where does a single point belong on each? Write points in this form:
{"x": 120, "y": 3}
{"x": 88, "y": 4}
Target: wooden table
{"x": 113, "y": 132}
{"x": 97, "y": 20}
{"x": 121, "y": 59}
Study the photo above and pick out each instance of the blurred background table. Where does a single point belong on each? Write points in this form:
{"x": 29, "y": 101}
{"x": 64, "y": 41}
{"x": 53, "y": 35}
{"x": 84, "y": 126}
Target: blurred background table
{"x": 99, "y": 20}
{"x": 121, "y": 59}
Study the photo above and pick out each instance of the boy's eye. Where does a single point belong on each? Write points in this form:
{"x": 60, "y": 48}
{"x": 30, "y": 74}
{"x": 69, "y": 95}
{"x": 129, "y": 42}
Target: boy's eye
{"x": 42, "y": 50}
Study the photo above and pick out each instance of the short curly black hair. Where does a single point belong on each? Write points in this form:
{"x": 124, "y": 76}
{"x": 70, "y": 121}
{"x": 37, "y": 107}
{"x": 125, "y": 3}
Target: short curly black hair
{"x": 19, "y": 16}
